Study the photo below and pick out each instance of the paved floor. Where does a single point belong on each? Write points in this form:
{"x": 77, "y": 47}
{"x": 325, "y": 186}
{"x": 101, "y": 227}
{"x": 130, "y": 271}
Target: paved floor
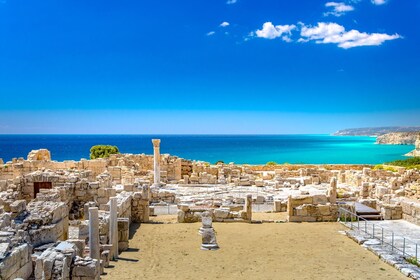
{"x": 404, "y": 235}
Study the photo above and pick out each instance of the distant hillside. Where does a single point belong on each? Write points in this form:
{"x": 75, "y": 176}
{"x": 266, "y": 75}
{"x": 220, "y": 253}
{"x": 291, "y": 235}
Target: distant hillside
{"x": 376, "y": 131}
{"x": 398, "y": 138}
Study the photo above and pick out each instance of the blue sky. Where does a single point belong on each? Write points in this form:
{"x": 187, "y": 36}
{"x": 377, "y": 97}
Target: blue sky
{"x": 208, "y": 66}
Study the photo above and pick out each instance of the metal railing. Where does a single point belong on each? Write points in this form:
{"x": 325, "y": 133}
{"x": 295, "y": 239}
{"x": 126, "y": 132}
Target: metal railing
{"x": 398, "y": 244}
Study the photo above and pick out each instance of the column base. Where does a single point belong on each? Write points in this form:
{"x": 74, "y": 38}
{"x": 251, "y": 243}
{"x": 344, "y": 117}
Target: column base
{"x": 210, "y": 247}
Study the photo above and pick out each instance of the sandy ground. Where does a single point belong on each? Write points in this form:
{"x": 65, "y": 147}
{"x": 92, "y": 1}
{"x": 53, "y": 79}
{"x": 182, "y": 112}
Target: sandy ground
{"x": 248, "y": 251}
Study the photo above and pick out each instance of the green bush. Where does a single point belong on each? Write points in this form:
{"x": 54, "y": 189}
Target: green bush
{"x": 378, "y": 167}
{"x": 219, "y": 162}
{"x": 271, "y": 163}
{"x": 413, "y": 260}
{"x": 103, "y": 151}
{"x": 407, "y": 163}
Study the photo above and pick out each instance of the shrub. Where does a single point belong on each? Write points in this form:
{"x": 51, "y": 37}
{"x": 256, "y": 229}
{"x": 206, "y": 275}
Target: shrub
{"x": 271, "y": 163}
{"x": 407, "y": 163}
{"x": 219, "y": 162}
{"x": 103, "y": 151}
{"x": 378, "y": 167}
{"x": 413, "y": 260}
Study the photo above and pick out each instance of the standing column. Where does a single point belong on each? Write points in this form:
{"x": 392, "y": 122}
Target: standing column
{"x": 156, "y": 161}
{"x": 333, "y": 190}
{"x": 248, "y": 207}
{"x": 94, "y": 248}
{"x": 113, "y": 227}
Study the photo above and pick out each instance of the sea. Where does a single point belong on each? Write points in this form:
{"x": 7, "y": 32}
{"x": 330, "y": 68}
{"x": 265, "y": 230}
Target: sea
{"x": 241, "y": 149}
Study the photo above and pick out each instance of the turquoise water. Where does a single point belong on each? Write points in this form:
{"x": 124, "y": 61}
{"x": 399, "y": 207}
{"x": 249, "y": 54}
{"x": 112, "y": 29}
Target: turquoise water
{"x": 252, "y": 149}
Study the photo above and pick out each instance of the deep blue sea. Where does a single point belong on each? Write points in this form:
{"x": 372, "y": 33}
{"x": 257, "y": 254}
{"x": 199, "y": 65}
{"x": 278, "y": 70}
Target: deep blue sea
{"x": 251, "y": 149}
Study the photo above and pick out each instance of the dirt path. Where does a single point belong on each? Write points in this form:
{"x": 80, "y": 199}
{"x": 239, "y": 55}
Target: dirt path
{"x": 248, "y": 251}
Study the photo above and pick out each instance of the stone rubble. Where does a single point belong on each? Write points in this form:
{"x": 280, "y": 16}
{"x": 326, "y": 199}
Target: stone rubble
{"x": 45, "y": 203}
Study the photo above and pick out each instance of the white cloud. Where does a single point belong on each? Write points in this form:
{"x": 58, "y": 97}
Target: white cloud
{"x": 224, "y": 24}
{"x": 378, "y": 2}
{"x": 230, "y": 2}
{"x": 333, "y": 33}
{"x": 338, "y": 8}
{"x": 269, "y": 31}
{"x": 211, "y": 33}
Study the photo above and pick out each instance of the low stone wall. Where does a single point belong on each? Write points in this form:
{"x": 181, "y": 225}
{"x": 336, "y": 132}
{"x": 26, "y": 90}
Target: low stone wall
{"x": 411, "y": 211}
{"x": 311, "y": 209}
{"x": 123, "y": 233}
{"x": 139, "y": 208}
{"x": 194, "y": 214}
{"x": 17, "y": 264}
{"x": 391, "y": 212}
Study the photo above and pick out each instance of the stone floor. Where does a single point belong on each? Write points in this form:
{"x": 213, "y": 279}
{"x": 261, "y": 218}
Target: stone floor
{"x": 401, "y": 229}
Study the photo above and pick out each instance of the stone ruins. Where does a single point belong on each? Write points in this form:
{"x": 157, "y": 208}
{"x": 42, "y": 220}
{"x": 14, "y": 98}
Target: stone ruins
{"x": 68, "y": 220}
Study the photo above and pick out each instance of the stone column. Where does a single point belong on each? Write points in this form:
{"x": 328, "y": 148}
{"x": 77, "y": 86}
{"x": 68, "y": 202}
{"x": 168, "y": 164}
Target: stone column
{"x": 94, "y": 247}
{"x": 113, "y": 228}
{"x": 248, "y": 207}
{"x": 332, "y": 192}
{"x": 156, "y": 161}
{"x": 289, "y": 207}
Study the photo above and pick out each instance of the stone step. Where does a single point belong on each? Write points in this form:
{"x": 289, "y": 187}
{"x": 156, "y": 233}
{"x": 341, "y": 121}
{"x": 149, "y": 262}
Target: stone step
{"x": 371, "y": 217}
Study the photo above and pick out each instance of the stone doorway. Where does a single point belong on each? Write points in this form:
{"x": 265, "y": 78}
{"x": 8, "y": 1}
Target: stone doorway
{"x": 41, "y": 185}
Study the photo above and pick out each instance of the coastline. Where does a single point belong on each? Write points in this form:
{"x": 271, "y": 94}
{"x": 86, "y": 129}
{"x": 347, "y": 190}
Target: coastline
{"x": 241, "y": 149}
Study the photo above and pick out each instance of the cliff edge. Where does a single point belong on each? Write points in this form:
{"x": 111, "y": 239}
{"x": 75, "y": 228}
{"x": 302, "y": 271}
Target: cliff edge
{"x": 416, "y": 151}
{"x": 376, "y": 131}
{"x": 398, "y": 138}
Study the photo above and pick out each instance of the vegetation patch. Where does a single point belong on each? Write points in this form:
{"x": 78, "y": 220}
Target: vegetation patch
{"x": 103, "y": 151}
{"x": 385, "y": 167}
{"x": 409, "y": 163}
{"x": 413, "y": 260}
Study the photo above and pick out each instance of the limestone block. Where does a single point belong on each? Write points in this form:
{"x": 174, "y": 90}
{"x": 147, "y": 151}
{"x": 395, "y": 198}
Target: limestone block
{"x": 181, "y": 216}
{"x": 300, "y": 200}
{"x": 17, "y": 264}
{"x": 184, "y": 207}
{"x": 324, "y": 210}
{"x": 381, "y": 191}
{"x": 41, "y": 154}
{"x": 406, "y": 207}
{"x": 301, "y": 211}
{"x": 18, "y": 206}
{"x": 320, "y": 199}
{"x": 259, "y": 183}
{"x": 308, "y": 219}
{"x": 221, "y": 213}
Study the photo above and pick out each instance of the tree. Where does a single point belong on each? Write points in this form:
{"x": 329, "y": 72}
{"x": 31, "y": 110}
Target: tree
{"x": 103, "y": 151}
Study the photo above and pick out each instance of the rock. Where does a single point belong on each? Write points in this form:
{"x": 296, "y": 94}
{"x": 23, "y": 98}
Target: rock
{"x": 41, "y": 154}
{"x": 221, "y": 213}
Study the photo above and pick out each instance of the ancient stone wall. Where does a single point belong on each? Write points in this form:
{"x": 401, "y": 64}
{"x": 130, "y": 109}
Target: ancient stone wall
{"x": 16, "y": 263}
{"x": 311, "y": 209}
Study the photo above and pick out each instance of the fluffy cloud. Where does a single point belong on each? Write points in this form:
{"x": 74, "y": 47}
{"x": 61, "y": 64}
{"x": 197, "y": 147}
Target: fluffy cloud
{"x": 211, "y": 33}
{"x": 224, "y": 24}
{"x": 333, "y": 33}
{"x": 378, "y": 2}
{"x": 269, "y": 31}
{"x": 338, "y": 8}
{"x": 230, "y": 2}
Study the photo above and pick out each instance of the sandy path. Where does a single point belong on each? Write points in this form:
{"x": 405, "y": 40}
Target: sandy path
{"x": 248, "y": 251}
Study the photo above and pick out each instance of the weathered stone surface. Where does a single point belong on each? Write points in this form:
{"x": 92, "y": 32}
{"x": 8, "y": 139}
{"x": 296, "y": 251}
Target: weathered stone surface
{"x": 41, "y": 154}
